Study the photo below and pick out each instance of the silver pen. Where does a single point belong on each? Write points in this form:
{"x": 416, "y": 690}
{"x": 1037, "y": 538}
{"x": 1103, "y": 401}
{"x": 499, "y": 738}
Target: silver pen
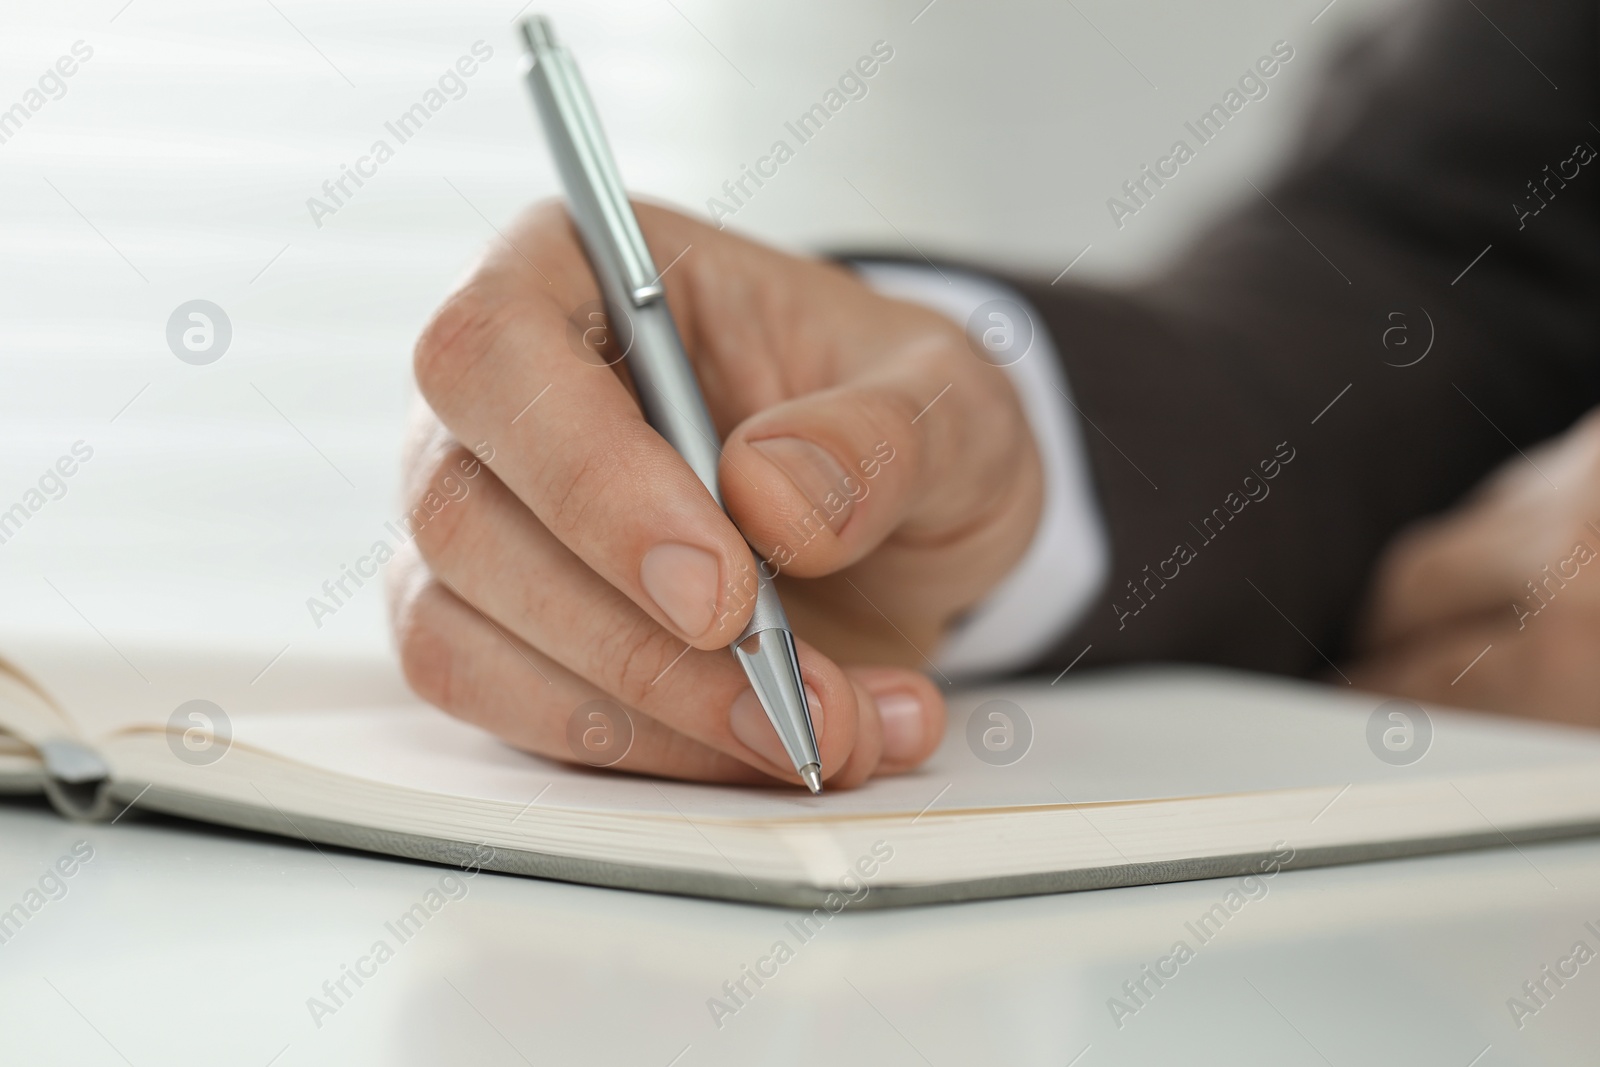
{"x": 643, "y": 328}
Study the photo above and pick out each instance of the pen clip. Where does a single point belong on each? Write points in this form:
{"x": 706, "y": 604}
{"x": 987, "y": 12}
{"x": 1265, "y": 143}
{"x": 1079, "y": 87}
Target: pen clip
{"x": 581, "y": 125}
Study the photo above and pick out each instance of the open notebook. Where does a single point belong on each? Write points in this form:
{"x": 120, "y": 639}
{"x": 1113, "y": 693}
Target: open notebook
{"x": 1132, "y": 777}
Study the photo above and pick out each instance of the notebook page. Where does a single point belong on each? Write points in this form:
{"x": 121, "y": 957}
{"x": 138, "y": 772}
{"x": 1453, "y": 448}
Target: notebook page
{"x": 102, "y": 689}
{"x": 1121, "y": 736}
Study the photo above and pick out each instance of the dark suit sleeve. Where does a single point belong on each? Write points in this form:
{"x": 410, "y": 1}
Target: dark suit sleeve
{"x": 1194, "y": 386}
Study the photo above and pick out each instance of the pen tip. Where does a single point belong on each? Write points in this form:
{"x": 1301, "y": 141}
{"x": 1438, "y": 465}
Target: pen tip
{"x": 811, "y": 775}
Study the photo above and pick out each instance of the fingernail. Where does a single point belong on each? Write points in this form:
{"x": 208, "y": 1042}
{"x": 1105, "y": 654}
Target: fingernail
{"x": 749, "y": 723}
{"x": 815, "y": 473}
{"x": 901, "y": 715}
{"x": 682, "y": 580}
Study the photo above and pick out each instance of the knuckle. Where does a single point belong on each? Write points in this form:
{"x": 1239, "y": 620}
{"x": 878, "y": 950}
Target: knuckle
{"x": 577, "y": 475}
{"x": 426, "y": 437}
{"x": 426, "y": 654}
{"x": 437, "y": 511}
{"x": 455, "y": 338}
{"x": 634, "y": 652}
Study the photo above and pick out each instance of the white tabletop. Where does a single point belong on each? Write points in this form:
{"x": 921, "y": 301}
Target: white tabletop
{"x": 177, "y": 944}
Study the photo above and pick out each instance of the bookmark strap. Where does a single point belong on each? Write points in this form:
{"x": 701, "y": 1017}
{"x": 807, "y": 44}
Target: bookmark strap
{"x": 76, "y": 780}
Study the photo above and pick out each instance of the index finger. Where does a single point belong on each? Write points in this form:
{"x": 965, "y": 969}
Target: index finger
{"x": 567, "y": 438}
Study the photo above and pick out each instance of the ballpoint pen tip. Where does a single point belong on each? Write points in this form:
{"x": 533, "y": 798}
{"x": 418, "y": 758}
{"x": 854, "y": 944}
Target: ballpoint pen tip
{"x": 811, "y": 774}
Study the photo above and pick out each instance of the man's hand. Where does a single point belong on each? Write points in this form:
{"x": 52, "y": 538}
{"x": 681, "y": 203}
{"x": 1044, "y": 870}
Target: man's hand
{"x": 886, "y": 472}
{"x": 1515, "y": 569}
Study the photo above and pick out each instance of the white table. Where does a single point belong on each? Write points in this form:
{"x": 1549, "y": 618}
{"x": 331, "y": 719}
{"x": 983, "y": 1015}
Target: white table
{"x": 178, "y": 944}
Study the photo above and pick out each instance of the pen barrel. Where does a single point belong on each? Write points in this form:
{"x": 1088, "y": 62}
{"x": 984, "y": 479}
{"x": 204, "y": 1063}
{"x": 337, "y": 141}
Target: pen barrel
{"x": 668, "y": 392}
{"x": 640, "y": 320}
{"x": 672, "y": 404}
{"x": 643, "y": 330}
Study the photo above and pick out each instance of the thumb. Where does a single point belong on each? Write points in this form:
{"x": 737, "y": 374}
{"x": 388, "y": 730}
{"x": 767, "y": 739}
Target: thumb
{"x": 819, "y": 482}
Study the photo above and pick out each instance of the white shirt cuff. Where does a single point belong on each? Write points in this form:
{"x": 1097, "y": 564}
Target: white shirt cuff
{"x": 1050, "y": 587}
